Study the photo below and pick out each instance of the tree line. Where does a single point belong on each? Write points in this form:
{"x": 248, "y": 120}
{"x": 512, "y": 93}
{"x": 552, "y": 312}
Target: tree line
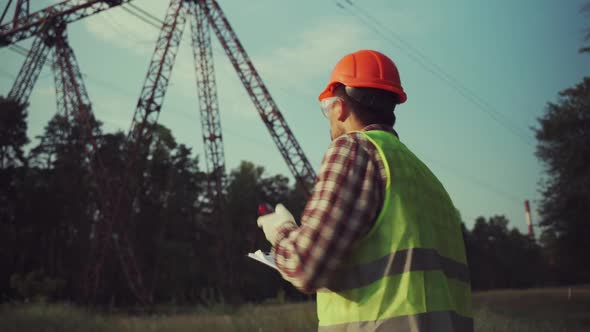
{"x": 49, "y": 210}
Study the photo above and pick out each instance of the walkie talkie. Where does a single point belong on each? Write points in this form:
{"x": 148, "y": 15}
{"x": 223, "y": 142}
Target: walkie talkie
{"x": 264, "y": 209}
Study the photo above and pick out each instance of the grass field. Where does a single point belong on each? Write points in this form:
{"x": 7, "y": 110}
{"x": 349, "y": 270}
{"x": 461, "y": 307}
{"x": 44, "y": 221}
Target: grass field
{"x": 540, "y": 310}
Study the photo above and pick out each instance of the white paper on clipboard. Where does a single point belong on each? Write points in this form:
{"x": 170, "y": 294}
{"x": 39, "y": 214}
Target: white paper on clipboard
{"x": 264, "y": 258}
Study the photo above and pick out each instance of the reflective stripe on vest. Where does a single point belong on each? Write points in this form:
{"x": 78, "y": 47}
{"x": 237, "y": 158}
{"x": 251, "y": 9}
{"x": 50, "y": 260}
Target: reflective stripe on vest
{"x": 413, "y": 259}
{"x": 440, "y": 321}
{"x": 409, "y": 272}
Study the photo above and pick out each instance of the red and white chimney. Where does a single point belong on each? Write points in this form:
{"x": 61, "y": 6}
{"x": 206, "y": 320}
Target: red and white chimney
{"x": 527, "y": 210}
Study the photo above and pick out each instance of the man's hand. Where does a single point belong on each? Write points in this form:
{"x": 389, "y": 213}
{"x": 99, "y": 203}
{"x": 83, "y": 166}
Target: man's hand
{"x": 272, "y": 222}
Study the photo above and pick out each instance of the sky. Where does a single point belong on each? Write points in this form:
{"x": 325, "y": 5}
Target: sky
{"x": 478, "y": 75}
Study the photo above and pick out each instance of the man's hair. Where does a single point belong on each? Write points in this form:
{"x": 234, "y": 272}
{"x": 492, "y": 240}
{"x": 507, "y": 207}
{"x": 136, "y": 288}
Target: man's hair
{"x": 370, "y": 106}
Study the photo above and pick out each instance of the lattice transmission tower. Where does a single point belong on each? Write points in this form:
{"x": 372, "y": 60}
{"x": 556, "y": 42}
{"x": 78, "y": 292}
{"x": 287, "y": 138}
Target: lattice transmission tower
{"x": 49, "y": 25}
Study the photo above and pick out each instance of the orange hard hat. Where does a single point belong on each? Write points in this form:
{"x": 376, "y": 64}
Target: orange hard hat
{"x": 366, "y": 69}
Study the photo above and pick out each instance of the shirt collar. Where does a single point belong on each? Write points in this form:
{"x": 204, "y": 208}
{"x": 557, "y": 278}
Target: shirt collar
{"x": 382, "y": 127}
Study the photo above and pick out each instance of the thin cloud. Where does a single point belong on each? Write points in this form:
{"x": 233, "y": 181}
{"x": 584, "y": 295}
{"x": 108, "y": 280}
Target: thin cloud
{"x": 296, "y": 67}
{"x": 123, "y": 30}
{"x": 288, "y": 68}
{"x": 299, "y": 66}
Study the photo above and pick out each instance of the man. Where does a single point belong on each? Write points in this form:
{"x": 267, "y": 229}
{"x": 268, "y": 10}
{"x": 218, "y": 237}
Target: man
{"x": 380, "y": 240}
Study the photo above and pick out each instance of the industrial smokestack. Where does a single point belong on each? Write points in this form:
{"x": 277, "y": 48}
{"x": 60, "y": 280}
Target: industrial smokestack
{"x": 527, "y": 209}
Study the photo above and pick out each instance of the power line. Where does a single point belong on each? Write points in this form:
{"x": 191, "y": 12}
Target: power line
{"x": 24, "y": 52}
{"x": 143, "y": 18}
{"x": 18, "y": 50}
{"x": 146, "y": 13}
{"x": 157, "y": 23}
{"x": 185, "y": 114}
{"x": 469, "y": 94}
{"x": 123, "y": 31}
{"x": 378, "y": 27}
{"x": 149, "y": 19}
{"x": 123, "y": 92}
{"x": 469, "y": 178}
{"x": 455, "y": 172}
{"x": 146, "y": 17}
{"x": 441, "y": 74}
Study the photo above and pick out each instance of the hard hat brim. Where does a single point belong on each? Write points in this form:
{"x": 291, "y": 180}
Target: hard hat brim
{"x": 331, "y": 87}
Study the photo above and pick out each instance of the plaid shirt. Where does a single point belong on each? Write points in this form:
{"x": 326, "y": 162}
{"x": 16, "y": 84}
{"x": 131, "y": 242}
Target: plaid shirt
{"x": 343, "y": 207}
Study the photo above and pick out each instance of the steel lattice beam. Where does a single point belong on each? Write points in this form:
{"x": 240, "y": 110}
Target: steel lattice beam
{"x": 73, "y": 101}
{"x": 64, "y": 104}
{"x": 281, "y": 134}
{"x": 73, "y": 88}
{"x": 208, "y": 104}
{"x": 145, "y": 118}
{"x": 29, "y": 72}
{"x": 131, "y": 268}
{"x": 152, "y": 96}
{"x": 117, "y": 206}
{"x": 66, "y": 12}
{"x": 139, "y": 138}
{"x": 159, "y": 71}
{"x": 22, "y": 9}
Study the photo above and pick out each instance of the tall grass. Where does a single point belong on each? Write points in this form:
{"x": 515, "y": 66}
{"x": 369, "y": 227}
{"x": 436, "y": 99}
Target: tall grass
{"x": 259, "y": 318}
{"x": 488, "y": 321}
{"x": 549, "y": 309}
{"x": 46, "y": 318}
{"x": 502, "y": 311}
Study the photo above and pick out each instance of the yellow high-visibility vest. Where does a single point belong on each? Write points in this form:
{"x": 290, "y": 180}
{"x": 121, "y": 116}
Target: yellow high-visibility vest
{"x": 409, "y": 273}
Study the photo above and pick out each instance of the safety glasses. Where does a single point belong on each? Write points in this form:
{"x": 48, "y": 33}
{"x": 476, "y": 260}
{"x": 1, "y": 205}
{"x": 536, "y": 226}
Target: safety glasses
{"x": 326, "y": 104}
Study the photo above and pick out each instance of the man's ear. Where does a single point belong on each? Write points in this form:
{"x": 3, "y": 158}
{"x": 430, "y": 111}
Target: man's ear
{"x": 342, "y": 111}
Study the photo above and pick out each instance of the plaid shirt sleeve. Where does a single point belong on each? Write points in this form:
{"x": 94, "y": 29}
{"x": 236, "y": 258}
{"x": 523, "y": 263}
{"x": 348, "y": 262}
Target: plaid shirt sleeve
{"x": 343, "y": 207}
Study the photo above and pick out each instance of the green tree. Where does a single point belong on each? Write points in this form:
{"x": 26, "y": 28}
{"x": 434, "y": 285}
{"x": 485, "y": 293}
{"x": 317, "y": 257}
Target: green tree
{"x": 502, "y": 258}
{"x": 64, "y": 200}
{"x": 248, "y": 186}
{"x": 186, "y": 254}
{"x": 13, "y": 174}
{"x": 563, "y": 136}
{"x": 488, "y": 261}
{"x": 13, "y": 132}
